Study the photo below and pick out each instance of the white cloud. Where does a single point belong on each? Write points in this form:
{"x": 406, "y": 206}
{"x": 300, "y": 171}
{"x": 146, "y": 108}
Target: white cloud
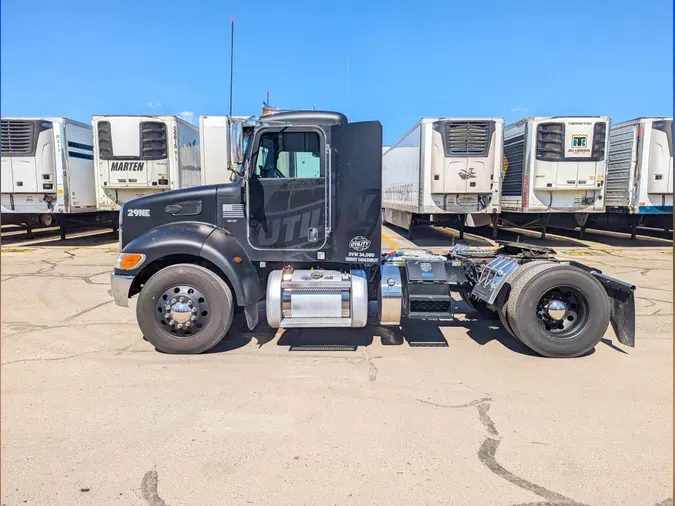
{"x": 154, "y": 105}
{"x": 187, "y": 115}
{"x": 518, "y": 109}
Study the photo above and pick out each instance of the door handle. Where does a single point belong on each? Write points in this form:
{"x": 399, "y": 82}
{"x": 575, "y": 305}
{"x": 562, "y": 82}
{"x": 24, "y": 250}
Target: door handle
{"x": 312, "y": 234}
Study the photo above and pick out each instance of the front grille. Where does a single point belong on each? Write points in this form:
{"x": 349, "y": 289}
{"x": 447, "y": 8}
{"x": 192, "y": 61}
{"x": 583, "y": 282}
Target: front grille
{"x": 104, "y": 140}
{"x": 467, "y": 137}
{"x": 550, "y": 145}
{"x": 429, "y": 306}
{"x": 16, "y": 137}
{"x": 599, "y": 135}
{"x": 153, "y": 140}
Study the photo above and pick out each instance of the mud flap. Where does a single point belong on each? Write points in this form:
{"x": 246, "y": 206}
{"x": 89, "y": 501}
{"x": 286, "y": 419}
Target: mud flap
{"x": 622, "y": 307}
{"x": 251, "y": 312}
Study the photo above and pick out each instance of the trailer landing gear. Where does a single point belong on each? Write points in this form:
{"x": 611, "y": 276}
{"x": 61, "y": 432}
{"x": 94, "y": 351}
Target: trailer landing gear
{"x": 635, "y": 223}
{"x": 543, "y": 230}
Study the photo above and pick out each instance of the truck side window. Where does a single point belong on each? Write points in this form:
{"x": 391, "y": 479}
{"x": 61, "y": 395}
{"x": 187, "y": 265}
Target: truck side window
{"x": 289, "y": 155}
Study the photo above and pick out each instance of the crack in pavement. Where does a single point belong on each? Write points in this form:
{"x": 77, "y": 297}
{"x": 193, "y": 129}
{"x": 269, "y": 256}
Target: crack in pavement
{"x": 455, "y": 406}
{"x": 483, "y": 408}
{"x": 27, "y": 328}
{"x": 127, "y": 348}
{"x": 56, "y": 359}
{"x": 149, "y": 489}
{"x": 45, "y": 274}
{"x": 372, "y": 370}
{"x": 84, "y": 311}
{"x": 488, "y": 451}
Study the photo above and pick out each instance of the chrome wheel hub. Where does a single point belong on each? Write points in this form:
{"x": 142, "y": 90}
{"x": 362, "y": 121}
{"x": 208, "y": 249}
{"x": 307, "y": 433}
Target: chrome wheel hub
{"x": 563, "y": 312}
{"x": 182, "y": 311}
{"x": 556, "y": 309}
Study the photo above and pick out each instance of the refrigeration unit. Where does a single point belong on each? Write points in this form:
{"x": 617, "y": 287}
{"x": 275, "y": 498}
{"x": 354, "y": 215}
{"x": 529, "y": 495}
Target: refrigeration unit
{"x": 48, "y": 175}
{"x": 554, "y": 171}
{"x": 140, "y": 155}
{"x": 219, "y": 135}
{"x": 444, "y": 171}
{"x": 640, "y": 175}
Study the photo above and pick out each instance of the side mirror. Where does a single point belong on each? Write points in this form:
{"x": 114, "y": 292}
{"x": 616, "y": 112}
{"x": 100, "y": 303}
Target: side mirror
{"x": 236, "y": 143}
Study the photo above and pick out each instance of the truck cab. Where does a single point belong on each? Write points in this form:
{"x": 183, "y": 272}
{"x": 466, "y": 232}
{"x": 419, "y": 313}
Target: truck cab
{"x": 300, "y": 227}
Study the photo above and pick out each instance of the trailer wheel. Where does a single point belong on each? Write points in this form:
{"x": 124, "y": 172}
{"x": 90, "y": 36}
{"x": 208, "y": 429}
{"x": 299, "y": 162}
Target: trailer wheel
{"x": 46, "y": 220}
{"x": 479, "y": 306}
{"x": 184, "y": 308}
{"x": 558, "y": 310}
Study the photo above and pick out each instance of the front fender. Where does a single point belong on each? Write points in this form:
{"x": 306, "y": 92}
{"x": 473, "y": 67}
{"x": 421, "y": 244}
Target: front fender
{"x": 201, "y": 240}
{"x": 221, "y": 248}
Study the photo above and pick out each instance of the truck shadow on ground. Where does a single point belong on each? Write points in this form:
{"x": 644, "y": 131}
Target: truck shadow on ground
{"x": 414, "y": 333}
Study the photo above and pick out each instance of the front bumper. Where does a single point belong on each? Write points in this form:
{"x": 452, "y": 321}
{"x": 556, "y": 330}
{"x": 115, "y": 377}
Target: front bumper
{"x": 120, "y": 285}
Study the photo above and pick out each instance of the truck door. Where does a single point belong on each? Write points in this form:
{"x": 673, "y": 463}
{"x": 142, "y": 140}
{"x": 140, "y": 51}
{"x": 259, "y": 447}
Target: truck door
{"x": 661, "y": 158}
{"x": 286, "y": 191}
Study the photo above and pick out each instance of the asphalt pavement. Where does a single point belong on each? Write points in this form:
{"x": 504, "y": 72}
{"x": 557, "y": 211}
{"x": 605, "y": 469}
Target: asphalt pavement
{"x": 456, "y": 413}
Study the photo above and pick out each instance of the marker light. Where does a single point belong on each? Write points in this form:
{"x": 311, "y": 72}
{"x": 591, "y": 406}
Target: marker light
{"x": 127, "y": 261}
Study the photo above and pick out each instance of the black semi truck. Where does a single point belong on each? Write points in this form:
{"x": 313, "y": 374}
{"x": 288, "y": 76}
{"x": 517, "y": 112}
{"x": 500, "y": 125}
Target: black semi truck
{"x": 300, "y": 226}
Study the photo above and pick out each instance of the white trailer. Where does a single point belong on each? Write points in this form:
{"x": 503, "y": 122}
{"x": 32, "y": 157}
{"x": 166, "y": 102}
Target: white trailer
{"x": 444, "y": 171}
{"x": 141, "y": 155}
{"x": 640, "y": 175}
{"x": 48, "y": 173}
{"x": 554, "y": 171}
{"x": 218, "y": 134}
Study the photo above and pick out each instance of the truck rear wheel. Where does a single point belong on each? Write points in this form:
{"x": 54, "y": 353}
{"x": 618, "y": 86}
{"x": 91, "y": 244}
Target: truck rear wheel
{"x": 502, "y": 309}
{"x": 558, "y": 310}
{"x": 185, "y": 308}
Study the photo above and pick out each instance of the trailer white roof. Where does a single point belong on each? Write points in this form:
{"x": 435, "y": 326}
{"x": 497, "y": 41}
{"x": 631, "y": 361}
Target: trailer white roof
{"x": 53, "y": 119}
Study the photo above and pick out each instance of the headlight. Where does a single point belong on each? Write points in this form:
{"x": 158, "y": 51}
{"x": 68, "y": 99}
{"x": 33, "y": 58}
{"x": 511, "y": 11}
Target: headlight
{"x": 128, "y": 261}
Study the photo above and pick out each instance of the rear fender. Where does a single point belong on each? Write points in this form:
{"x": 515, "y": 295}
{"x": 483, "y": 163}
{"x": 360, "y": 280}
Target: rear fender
{"x": 621, "y": 303}
{"x": 206, "y": 241}
{"x": 622, "y": 307}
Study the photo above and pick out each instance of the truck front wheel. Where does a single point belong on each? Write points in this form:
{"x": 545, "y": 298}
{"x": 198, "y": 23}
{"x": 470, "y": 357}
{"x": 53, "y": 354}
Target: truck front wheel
{"x": 558, "y": 310}
{"x": 185, "y": 308}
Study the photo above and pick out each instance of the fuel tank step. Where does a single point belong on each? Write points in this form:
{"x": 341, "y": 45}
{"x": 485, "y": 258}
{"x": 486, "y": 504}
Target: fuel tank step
{"x": 304, "y": 322}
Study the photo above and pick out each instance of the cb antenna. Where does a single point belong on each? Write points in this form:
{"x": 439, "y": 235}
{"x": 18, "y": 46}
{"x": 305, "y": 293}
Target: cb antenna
{"x": 231, "y": 63}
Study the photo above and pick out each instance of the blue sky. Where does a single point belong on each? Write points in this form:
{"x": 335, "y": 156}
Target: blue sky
{"x": 394, "y": 61}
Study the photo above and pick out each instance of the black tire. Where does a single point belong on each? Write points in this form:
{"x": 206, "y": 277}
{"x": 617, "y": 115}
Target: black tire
{"x": 46, "y": 220}
{"x": 586, "y": 327}
{"x": 214, "y": 289}
{"x": 502, "y": 297}
{"x": 479, "y": 307}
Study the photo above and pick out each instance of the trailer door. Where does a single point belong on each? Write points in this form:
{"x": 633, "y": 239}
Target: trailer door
{"x": 286, "y": 192}
{"x": 661, "y": 158}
